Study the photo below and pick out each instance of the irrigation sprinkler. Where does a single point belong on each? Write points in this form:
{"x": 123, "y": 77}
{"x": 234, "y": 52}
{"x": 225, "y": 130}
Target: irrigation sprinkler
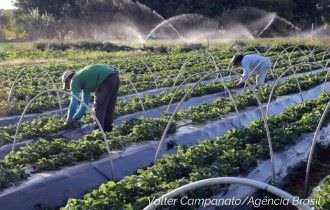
{"x": 264, "y": 117}
{"x": 82, "y": 103}
{"x": 166, "y": 22}
{"x": 229, "y": 180}
{"x": 273, "y": 16}
{"x": 311, "y": 151}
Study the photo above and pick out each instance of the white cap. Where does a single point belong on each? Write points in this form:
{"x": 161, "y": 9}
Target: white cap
{"x": 65, "y": 77}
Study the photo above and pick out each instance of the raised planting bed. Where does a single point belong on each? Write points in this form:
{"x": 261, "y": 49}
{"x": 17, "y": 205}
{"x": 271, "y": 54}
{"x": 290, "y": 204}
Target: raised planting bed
{"x": 186, "y": 135}
{"x": 46, "y": 126}
{"x": 49, "y": 127}
{"x": 290, "y": 170}
{"x": 234, "y": 152}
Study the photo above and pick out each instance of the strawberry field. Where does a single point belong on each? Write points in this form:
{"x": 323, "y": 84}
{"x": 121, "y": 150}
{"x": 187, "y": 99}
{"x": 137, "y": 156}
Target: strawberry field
{"x": 179, "y": 119}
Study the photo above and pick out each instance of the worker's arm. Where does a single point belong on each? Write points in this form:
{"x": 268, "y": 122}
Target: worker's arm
{"x": 82, "y": 108}
{"x": 73, "y": 106}
{"x": 245, "y": 76}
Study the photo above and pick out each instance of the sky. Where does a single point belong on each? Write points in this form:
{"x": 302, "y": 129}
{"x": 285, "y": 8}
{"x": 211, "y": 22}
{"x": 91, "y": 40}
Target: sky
{"x": 6, "y": 4}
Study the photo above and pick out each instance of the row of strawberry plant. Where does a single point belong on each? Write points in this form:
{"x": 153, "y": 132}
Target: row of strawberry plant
{"x": 45, "y": 102}
{"x": 223, "y": 105}
{"x": 229, "y": 155}
{"x": 47, "y": 126}
{"x": 323, "y": 195}
{"x": 12, "y": 52}
{"x": 197, "y": 65}
{"x": 151, "y": 101}
{"x": 163, "y": 66}
{"x": 129, "y": 66}
{"x": 59, "y": 68}
{"x": 15, "y": 51}
{"x": 157, "y": 62}
{"x": 52, "y": 154}
{"x": 26, "y": 89}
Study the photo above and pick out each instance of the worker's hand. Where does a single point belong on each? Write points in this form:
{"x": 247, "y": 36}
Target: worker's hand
{"x": 75, "y": 123}
{"x": 67, "y": 124}
{"x": 237, "y": 82}
{"x": 72, "y": 123}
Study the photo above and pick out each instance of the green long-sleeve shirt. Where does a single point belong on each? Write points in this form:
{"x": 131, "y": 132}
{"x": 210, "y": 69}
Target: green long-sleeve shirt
{"x": 86, "y": 81}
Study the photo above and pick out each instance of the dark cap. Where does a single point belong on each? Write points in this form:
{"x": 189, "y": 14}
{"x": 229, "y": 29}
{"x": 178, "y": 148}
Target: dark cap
{"x": 237, "y": 59}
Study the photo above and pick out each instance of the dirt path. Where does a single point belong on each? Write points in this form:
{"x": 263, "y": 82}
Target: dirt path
{"x": 27, "y": 61}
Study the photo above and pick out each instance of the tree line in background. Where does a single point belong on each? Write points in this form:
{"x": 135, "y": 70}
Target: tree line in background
{"x": 301, "y": 12}
{"x": 35, "y": 19}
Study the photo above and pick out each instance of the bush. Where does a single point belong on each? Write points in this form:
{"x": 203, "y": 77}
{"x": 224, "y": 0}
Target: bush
{"x": 40, "y": 46}
{"x": 84, "y": 45}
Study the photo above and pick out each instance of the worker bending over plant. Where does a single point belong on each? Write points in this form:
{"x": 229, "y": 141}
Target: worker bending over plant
{"x": 99, "y": 78}
{"x": 252, "y": 64}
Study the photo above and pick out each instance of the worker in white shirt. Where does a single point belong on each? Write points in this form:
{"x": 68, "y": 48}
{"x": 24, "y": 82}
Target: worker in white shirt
{"x": 252, "y": 64}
